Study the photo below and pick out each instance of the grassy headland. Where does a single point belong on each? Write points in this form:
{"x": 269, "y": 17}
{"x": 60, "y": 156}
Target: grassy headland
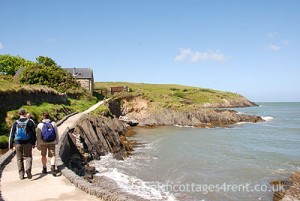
{"x": 172, "y": 95}
{"x": 170, "y": 104}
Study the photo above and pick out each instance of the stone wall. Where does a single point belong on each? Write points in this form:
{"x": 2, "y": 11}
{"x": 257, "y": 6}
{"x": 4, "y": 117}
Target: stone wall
{"x": 85, "y": 83}
{"x": 14, "y": 100}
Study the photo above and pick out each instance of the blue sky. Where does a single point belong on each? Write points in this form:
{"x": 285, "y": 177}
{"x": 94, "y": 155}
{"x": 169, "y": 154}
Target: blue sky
{"x": 250, "y": 47}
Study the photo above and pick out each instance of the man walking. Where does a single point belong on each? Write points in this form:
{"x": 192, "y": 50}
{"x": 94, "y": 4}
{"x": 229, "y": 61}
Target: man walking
{"x": 47, "y": 138}
{"x": 23, "y": 137}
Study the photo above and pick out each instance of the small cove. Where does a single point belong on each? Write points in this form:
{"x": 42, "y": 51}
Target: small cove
{"x": 171, "y": 160}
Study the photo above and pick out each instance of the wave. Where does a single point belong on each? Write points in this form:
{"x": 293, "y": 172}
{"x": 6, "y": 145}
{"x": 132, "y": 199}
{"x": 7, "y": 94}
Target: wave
{"x": 242, "y": 122}
{"x": 184, "y": 126}
{"x": 113, "y": 169}
{"x": 267, "y": 118}
{"x": 136, "y": 186}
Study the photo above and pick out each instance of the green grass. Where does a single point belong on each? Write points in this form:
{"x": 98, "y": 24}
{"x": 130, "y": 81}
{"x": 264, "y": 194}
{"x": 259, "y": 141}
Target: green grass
{"x": 3, "y": 142}
{"x": 172, "y": 95}
{"x": 81, "y": 104}
{"x": 102, "y": 110}
{"x": 56, "y": 111}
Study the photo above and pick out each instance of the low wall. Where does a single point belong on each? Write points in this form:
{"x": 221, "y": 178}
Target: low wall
{"x": 14, "y": 100}
{"x": 4, "y": 160}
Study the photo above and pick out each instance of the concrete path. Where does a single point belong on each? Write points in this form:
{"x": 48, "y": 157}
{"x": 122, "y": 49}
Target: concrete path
{"x": 42, "y": 187}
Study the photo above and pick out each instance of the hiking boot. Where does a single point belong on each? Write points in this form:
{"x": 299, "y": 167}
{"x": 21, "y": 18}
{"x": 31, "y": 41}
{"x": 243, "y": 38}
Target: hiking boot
{"x": 53, "y": 170}
{"x": 29, "y": 175}
{"x": 44, "y": 171}
{"x": 21, "y": 176}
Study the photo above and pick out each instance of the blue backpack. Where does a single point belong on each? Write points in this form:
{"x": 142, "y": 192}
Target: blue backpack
{"x": 48, "y": 132}
{"x": 21, "y": 134}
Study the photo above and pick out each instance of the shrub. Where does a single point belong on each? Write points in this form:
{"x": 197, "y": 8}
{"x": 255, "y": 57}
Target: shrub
{"x": 173, "y": 89}
{"x": 179, "y": 94}
{"x": 52, "y": 76}
{"x": 3, "y": 142}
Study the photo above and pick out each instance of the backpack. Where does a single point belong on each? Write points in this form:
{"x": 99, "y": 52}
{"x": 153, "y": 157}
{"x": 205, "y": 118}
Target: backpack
{"x": 21, "y": 134}
{"x": 48, "y": 132}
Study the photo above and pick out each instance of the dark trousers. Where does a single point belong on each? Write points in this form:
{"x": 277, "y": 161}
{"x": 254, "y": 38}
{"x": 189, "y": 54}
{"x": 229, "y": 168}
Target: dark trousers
{"x": 24, "y": 152}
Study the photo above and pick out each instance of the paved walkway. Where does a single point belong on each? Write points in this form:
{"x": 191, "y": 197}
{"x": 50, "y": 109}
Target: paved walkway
{"x": 42, "y": 187}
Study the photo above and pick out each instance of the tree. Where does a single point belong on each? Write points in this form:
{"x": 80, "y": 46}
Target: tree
{"x": 46, "y": 61}
{"x": 10, "y": 64}
{"x": 47, "y": 72}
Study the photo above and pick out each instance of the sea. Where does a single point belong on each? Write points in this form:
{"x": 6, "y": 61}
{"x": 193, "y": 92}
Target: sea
{"x": 237, "y": 163}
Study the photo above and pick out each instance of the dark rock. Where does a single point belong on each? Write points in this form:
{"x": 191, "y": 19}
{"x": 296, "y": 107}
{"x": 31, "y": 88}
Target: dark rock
{"x": 98, "y": 136}
{"x": 89, "y": 172}
{"x": 291, "y": 189}
{"x": 200, "y": 118}
{"x": 130, "y": 122}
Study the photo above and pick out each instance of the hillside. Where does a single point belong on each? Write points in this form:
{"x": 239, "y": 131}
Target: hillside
{"x": 178, "y": 96}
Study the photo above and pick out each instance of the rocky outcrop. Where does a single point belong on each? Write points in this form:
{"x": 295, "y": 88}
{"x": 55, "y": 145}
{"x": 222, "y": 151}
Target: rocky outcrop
{"x": 142, "y": 111}
{"x": 97, "y": 136}
{"x": 101, "y": 187}
{"x": 291, "y": 188}
{"x": 201, "y": 118}
{"x": 237, "y": 102}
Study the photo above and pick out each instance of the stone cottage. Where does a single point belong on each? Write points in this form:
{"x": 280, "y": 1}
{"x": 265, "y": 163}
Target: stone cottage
{"x": 84, "y": 76}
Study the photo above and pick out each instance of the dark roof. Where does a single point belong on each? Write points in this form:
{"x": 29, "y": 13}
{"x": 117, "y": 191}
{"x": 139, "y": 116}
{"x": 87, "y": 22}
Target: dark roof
{"x": 81, "y": 72}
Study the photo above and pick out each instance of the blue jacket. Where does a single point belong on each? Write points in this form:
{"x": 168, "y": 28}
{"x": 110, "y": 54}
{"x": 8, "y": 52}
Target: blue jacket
{"x": 30, "y": 129}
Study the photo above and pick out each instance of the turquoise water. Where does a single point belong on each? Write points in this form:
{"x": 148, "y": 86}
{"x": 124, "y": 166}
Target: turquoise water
{"x": 235, "y": 163}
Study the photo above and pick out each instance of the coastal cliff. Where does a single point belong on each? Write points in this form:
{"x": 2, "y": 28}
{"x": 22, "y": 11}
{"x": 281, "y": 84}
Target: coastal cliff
{"x": 148, "y": 114}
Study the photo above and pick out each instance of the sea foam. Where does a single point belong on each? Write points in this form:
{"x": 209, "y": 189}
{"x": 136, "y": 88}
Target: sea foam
{"x": 136, "y": 186}
{"x": 109, "y": 167}
{"x": 267, "y": 118}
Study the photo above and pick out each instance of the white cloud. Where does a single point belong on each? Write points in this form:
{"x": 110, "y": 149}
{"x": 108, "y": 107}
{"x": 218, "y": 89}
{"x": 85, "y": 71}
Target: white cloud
{"x": 186, "y": 54}
{"x": 1, "y": 46}
{"x": 276, "y": 42}
{"x": 274, "y": 47}
{"x": 272, "y": 35}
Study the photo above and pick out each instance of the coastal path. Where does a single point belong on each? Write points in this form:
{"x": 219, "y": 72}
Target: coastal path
{"x": 42, "y": 187}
